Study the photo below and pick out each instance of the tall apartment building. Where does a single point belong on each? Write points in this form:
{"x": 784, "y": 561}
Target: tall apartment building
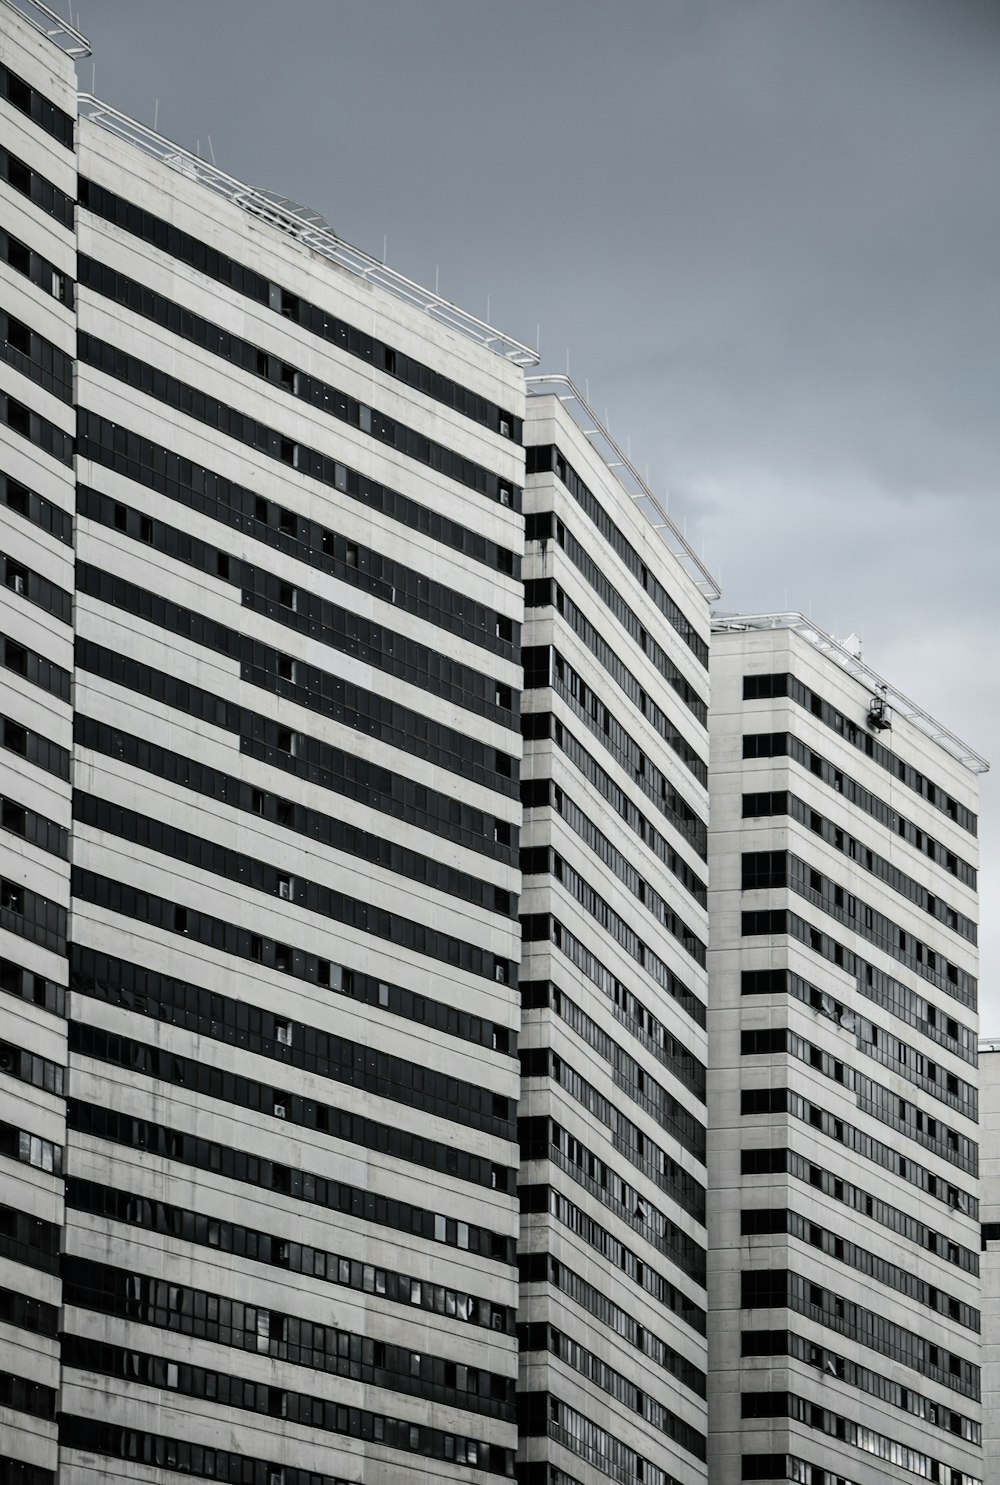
{"x": 844, "y": 1327}
{"x": 989, "y": 1111}
{"x": 288, "y": 1138}
{"x": 612, "y": 1320}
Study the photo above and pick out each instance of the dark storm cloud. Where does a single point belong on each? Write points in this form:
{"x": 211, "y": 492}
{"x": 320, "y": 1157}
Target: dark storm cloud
{"x": 768, "y": 231}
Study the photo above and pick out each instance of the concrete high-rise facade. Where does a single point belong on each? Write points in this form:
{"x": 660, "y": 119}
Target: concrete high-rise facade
{"x": 844, "y": 1325}
{"x": 989, "y": 1111}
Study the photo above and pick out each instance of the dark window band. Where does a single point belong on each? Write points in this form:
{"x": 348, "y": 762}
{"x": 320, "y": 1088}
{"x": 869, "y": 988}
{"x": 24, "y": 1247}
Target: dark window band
{"x": 784, "y": 684}
{"x": 330, "y": 831}
{"x": 781, "y": 1289}
{"x": 243, "y": 280}
{"x": 160, "y": 469}
{"x": 36, "y": 829}
{"x": 33, "y": 1398}
{"x": 35, "y": 589}
{"x": 784, "y": 802}
{"x": 542, "y": 1268}
{"x": 668, "y": 1112}
{"x": 29, "y": 1240}
{"x": 541, "y": 792}
{"x": 280, "y": 673}
{"x": 257, "y": 362}
{"x": 38, "y": 270}
{"x": 626, "y": 1007}
{"x": 25, "y": 1313}
{"x": 289, "y": 1181}
{"x": 297, "y": 753}
{"x": 32, "y": 916}
{"x": 36, "y": 429}
{"x": 27, "y": 1148}
{"x": 542, "y": 860}
{"x": 35, "y": 357}
{"x": 313, "y": 897}
{"x": 351, "y": 562}
{"x": 39, "y": 191}
{"x": 35, "y": 508}
{"x": 28, "y": 100}
{"x": 199, "y": 1313}
{"x": 208, "y": 1013}
{"x": 542, "y": 458}
{"x": 628, "y": 1140}
{"x": 542, "y": 1413}
{"x": 283, "y": 1253}
{"x": 542, "y": 1198}
{"x": 34, "y": 748}
{"x": 32, "y": 987}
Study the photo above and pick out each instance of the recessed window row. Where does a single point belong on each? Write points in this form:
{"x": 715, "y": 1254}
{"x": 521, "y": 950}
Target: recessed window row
{"x": 39, "y": 190}
{"x": 669, "y": 1113}
{"x": 855, "y": 1435}
{"x": 19, "y": 1472}
{"x": 874, "y": 1041}
{"x": 538, "y": 592}
{"x": 277, "y": 372}
{"x": 790, "y": 1467}
{"x": 198, "y": 1313}
{"x": 772, "y": 1289}
{"x": 902, "y": 1115}
{"x": 777, "y": 869}
{"x": 335, "y": 833}
{"x": 342, "y": 630}
{"x": 38, "y": 270}
{"x": 36, "y": 829}
{"x": 546, "y": 592}
{"x": 643, "y": 773}
{"x": 542, "y": 1268}
{"x": 25, "y": 1313}
{"x": 875, "y": 1383}
{"x": 36, "y": 429}
{"x": 35, "y": 357}
{"x": 784, "y": 1161}
{"x": 30, "y": 1067}
{"x": 297, "y": 753}
{"x": 783, "y": 684}
{"x": 243, "y": 943}
{"x": 288, "y": 1181}
{"x": 29, "y": 1240}
{"x": 244, "y": 280}
{"x": 51, "y": 519}
{"x": 538, "y": 1198}
{"x": 23, "y": 1396}
{"x": 293, "y": 1257}
{"x": 542, "y": 860}
{"x": 782, "y": 744}
{"x": 627, "y": 1008}
{"x": 28, "y": 100}
{"x": 308, "y": 686}
{"x": 32, "y": 987}
{"x": 157, "y": 468}
{"x": 543, "y": 1414}
{"x": 785, "y": 803}
{"x": 544, "y": 1139}
{"x": 905, "y": 1004}
{"x": 32, "y": 916}
{"x": 351, "y": 562}
{"x": 637, "y": 1148}
{"x": 755, "y": 1221}
{"x": 542, "y": 458}
{"x": 206, "y": 1013}
{"x": 27, "y": 1148}
{"x": 34, "y": 748}
{"x": 313, "y": 897}
{"x": 157, "y": 1451}
{"x": 170, "y": 1070}
{"x": 541, "y": 526}
{"x": 541, "y": 792}
{"x": 190, "y": 400}
{"x": 787, "y": 1101}
{"x": 538, "y": 1336}
{"x": 779, "y": 921}
{"x": 35, "y": 589}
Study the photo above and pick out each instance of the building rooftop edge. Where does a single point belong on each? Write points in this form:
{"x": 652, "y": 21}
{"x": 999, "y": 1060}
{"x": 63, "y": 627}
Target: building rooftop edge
{"x": 305, "y": 226}
{"x": 621, "y": 466}
{"x": 855, "y": 666}
{"x": 60, "y": 32}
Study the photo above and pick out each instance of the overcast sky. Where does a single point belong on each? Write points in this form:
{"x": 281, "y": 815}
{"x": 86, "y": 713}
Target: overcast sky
{"x": 766, "y": 232}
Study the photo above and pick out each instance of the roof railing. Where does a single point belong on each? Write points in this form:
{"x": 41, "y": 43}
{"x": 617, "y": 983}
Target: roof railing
{"x": 852, "y": 662}
{"x": 59, "y": 31}
{"x": 621, "y": 466}
{"x": 307, "y": 227}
